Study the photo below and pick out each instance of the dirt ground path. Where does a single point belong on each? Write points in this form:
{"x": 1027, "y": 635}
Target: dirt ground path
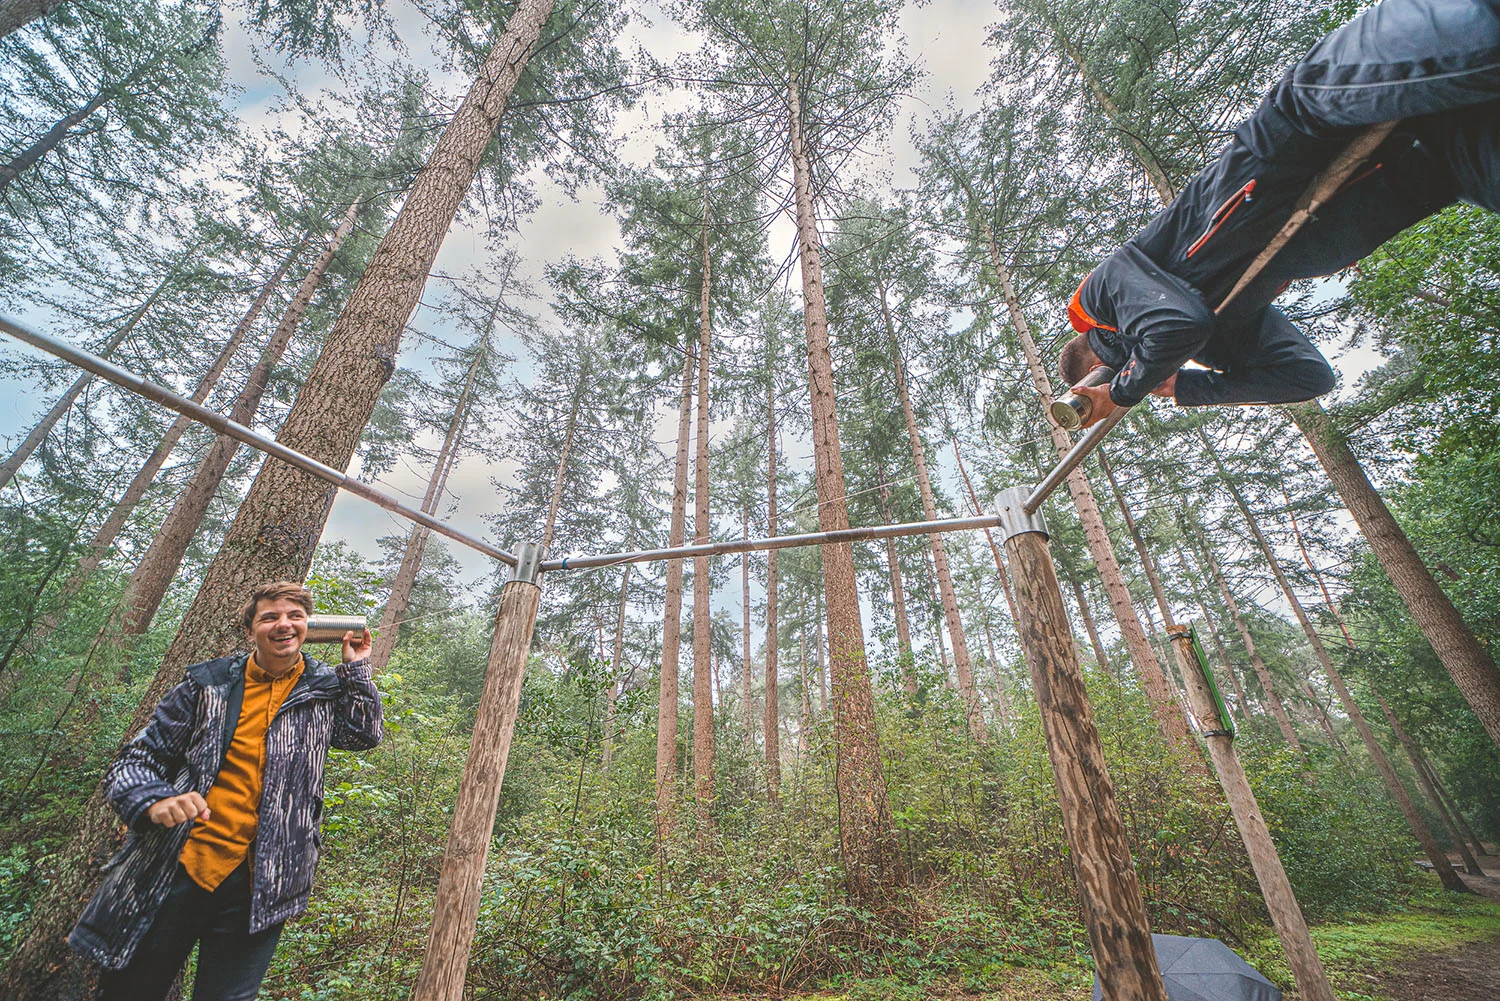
{"x": 1470, "y": 972}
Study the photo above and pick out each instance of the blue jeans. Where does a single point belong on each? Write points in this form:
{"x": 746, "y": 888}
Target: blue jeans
{"x": 231, "y": 961}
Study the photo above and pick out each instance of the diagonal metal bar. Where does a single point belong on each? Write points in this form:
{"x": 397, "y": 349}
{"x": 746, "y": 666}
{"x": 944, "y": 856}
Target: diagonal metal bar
{"x": 223, "y": 425}
{"x": 773, "y": 542}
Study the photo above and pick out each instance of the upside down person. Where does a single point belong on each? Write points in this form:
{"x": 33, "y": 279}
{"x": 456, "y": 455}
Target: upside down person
{"x": 1148, "y": 309}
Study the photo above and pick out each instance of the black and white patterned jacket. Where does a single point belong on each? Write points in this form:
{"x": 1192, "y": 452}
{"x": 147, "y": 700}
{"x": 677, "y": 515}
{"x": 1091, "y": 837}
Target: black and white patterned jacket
{"x": 182, "y": 749}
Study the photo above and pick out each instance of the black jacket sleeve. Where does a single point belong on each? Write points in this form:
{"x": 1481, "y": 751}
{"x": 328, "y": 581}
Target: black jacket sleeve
{"x": 1162, "y": 318}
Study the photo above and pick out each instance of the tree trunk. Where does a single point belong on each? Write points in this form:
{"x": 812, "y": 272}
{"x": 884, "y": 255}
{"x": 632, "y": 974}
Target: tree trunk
{"x": 1471, "y": 667}
{"x": 1463, "y": 824}
{"x": 871, "y": 853}
{"x": 703, "y": 696}
{"x": 104, "y": 538}
{"x": 460, "y": 885}
{"x": 1471, "y": 865}
{"x": 773, "y": 709}
{"x": 1440, "y": 863}
{"x": 747, "y": 673}
{"x": 1267, "y": 686}
{"x": 554, "y": 502}
{"x": 1241, "y": 706}
{"x": 16, "y": 14}
{"x": 1109, "y": 889}
{"x": 1276, "y": 889}
{"x": 278, "y": 525}
{"x": 1143, "y": 154}
{"x": 616, "y": 666}
{"x": 43, "y": 428}
{"x": 1089, "y": 625}
{"x": 53, "y": 137}
{"x": 1166, "y": 709}
{"x": 822, "y": 663}
{"x": 973, "y": 709}
{"x": 1147, "y": 563}
{"x": 1002, "y": 701}
{"x": 898, "y": 597}
{"x": 671, "y": 630}
{"x": 416, "y": 542}
{"x": 149, "y": 583}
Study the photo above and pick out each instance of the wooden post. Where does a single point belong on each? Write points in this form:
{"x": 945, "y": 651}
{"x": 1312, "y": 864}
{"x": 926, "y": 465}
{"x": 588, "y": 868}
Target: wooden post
{"x": 446, "y": 963}
{"x": 1286, "y": 914}
{"x": 1113, "y": 910}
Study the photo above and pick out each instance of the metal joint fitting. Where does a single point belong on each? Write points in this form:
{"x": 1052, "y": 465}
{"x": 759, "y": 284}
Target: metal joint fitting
{"x": 528, "y": 563}
{"x": 1010, "y": 505}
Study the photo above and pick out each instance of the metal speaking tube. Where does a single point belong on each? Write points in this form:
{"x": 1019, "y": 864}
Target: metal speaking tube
{"x": 331, "y": 628}
{"x": 1071, "y": 410}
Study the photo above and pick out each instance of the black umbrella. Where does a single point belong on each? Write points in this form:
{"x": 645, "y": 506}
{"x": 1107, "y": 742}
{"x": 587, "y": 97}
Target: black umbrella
{"x": 1205, "y": 969}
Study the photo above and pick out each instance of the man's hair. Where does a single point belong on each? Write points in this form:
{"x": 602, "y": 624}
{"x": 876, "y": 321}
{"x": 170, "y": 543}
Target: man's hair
{"x": 275, "y": 590}
{"x": 1077, "y": 360}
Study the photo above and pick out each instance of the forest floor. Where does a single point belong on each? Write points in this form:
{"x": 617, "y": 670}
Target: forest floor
{"x": 1438, "y": 947}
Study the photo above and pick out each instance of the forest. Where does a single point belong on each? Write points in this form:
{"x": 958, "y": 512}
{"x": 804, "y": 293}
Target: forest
{"x": 570, "y": 279}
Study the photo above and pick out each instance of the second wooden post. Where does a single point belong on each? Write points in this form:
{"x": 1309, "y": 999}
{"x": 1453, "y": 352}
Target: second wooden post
{"x": 456, "y": 909}
{"x": 1113, "y": 910}
{"x": 1218, "y": 733}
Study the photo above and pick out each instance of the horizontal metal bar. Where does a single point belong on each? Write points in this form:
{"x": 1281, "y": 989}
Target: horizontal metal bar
{"x": 773, "y": 542}
{"x": 1069, "y": 462}
{"x": 218, "y": 422}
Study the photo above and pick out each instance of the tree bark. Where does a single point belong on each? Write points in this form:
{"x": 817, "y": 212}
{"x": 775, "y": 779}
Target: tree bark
{"x": 416, "y": 542}
{"x": 871, "y": 853}
{"x": 104, "y": 537}
{"x": 1440, "y": 863}
{"x": 898, "y": 597}
{"x": 1147, "y": 563}
{"x": 1166, "y": 709}
{"x": 671, "y": 631}
{"x": 456, "y": 908}
{"x": 1471, "y": 667}
{"x": 1089, "y": 625}
{"x": 747, "y": 673}
{"x": 151, "y": 578}
{"x": 616, "y": 665}
{"x": 1463, "y": 824}
{"x": 43, "y": 428}
{"x": 15, "y": 14}
{"x": 1471, "y": 864}
{"x": 278, "y": 525}
{"x": 1267, "y": 686}
{"x": 1113, "y": 910}
{"x": 773, "y": 708}
{"x": 1275, "y": 888}
{"x": 703, "y": 695}
{"x": 973, "y": 709}
{"x": 53, "y": 137}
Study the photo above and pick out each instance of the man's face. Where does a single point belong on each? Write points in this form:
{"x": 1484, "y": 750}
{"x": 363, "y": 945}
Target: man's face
{"x": 278, "y": 630}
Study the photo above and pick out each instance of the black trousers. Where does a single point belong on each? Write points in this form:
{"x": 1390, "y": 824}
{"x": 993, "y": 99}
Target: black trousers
{"x": 231, "y": 961}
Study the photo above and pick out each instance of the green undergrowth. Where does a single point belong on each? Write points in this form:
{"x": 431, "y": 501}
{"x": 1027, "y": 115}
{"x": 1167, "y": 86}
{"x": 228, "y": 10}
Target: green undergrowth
{"x": 1356, "y": 950}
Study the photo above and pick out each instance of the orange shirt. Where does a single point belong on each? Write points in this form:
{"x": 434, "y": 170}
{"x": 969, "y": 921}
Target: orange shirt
{"x": 217, "y": 846}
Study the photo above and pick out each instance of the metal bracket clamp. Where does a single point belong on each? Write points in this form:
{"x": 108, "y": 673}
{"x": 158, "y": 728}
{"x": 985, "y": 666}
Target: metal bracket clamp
{"x": 1010, "y": 505}
{"x": 528, "y": 563}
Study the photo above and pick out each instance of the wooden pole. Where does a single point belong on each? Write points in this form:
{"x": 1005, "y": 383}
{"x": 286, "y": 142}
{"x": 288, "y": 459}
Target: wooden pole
{"x": 1113, "y": 910}
{"x": 446, "y": 963}
{"x": 1286, "y": 914}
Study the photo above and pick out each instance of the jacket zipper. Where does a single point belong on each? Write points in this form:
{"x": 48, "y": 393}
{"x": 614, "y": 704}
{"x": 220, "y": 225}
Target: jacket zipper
{"x": 1221, "y": 216}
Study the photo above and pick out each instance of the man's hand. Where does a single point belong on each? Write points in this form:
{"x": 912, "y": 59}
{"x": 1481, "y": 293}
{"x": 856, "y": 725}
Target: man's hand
{"x": 176, "y": 810}
{"x": 357, "y": 647}
{"x": 1101, "y": 406}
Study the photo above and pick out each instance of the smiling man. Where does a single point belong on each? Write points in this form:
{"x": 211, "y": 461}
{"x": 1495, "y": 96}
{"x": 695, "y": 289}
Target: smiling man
{"x": 223, "y": 795}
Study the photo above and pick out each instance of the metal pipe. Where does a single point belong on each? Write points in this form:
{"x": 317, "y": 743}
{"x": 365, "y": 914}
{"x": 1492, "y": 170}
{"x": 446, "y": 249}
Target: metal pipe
{"x": 223, "y": 425}
{"x": 1069, "y": 462}
{"x": 773, "y": 542}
